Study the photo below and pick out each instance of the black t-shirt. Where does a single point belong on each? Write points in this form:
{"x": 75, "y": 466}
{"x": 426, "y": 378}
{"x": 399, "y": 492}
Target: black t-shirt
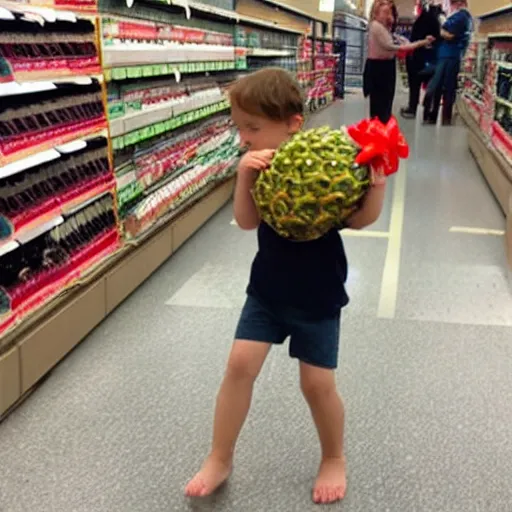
{"x": 309, "y": 276}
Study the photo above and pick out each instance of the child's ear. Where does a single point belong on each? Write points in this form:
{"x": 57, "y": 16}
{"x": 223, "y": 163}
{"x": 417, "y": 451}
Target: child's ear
{"x": 295, "y": 123}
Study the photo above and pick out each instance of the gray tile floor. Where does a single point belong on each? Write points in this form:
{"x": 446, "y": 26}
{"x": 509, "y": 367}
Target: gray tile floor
{"x": 124, "y": 421}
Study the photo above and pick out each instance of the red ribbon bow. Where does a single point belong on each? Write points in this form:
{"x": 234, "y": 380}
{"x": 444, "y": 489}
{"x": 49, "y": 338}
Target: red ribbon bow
{"x": 382, "y": 146}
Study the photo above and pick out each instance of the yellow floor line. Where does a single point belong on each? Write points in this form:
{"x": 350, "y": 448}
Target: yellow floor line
{"x": 391, "y": 272}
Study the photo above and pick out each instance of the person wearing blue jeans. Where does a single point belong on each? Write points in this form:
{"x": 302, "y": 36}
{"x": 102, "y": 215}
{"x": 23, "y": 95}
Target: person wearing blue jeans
{"x": 455, "y": 35}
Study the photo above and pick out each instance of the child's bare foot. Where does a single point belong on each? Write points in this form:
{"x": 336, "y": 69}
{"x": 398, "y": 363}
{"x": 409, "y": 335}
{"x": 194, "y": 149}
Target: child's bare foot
{"x": 212, "y": 475}
{"x": 331, "y": 482}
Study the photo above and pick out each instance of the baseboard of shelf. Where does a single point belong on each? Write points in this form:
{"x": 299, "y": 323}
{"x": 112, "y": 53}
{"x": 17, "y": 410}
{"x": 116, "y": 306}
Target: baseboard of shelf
{"x": 494, "y": 169}
{"x": 32, "y": 350}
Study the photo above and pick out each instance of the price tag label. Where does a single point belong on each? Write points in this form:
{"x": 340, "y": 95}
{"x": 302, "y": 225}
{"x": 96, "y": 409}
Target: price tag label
{"x": 159, "y": 128}
{"x": 135, "y": 72}
{"x": 119, "y": 73}
{"x": 130, "y": 139}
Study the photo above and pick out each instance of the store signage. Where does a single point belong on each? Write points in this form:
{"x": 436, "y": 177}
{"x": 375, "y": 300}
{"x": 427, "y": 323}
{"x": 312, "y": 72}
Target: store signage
{"x": 326, "y": 6}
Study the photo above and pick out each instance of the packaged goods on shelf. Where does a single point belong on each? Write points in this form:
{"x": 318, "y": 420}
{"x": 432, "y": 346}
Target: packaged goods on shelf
{"x": 149, "y": 103}
{"x": 487, "y": 91}
{"x": 317, "y": 73}
{"x": 38, "y": 269}
{"x": 32, "y": 122}
{"x": 162, "y": 159}
{"x": 57, "y": 211}
{"x": 214, "y": 166}
{"x": 63, "y": 47}
{"x": 62, "y": 181}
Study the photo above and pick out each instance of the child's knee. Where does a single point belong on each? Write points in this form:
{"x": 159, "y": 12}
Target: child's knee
{"x": 317, "y": 383}
{"x": 245, "y": 363}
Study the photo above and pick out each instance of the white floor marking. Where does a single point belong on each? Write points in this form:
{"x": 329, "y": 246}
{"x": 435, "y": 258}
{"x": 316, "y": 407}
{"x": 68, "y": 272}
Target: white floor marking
{"x": 477, "y": 231}
{"x": 391, "y": 272}
{"x": 364, "y": 233}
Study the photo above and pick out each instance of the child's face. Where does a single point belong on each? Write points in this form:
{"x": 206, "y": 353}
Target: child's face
{"x": 258, "y": 133}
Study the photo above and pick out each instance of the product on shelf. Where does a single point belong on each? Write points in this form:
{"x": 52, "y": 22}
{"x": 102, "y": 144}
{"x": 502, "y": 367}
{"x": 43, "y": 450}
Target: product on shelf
{"x": 40, "y": 120}
{"x": 316, "y": 73}
{"x": 38, "y": 269}
{"x": 215, "y": 166}
{"x": 29, "y": 197}
{"x": 163, "y": 159}
{"x": 57, "y": 210}
{"x": 143, "y": 43}
{"x": 35, "y": 48}
{"x": 318, "y": 177}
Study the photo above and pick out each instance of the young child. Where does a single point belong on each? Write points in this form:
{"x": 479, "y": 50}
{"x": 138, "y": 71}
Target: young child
{"x": 296, "y": 290}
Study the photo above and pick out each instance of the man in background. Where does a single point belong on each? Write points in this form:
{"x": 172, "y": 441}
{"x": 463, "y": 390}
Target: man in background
{"x": 455, "y": 36}
{"x": 421, "y": 63}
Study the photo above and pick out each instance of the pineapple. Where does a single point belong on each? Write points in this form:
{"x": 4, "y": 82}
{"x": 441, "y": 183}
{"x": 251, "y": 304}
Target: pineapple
{"x": 312, "y": 185}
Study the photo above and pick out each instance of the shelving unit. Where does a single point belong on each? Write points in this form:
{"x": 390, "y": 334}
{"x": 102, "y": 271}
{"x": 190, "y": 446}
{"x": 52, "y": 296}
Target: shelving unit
{"x": 486, "y": 106}
{"x": 352, "y": 30}
{"x": 115, "y": 147}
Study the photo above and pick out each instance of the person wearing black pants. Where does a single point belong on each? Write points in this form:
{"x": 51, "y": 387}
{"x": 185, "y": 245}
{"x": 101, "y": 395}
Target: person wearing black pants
{"x": 380, "y": 85}
{"x": 421, "y": 64}
{"x": 379, "y": 79}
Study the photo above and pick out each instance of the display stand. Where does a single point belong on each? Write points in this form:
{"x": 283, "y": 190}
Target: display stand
{"x": 486, "y": 106}
{"x": 115, "y": 147}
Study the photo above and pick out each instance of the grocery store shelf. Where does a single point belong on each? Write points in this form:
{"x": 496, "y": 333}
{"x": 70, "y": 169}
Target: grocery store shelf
{"x": 159, "y": 70}
{"x": 43, "y": 83}
{"x": 49, "y": 220}
{"x": 144, "y": 54}
{"x": 264, "y": 52}
{"x": 503, "y": 101}
{"x": 500, "y": 35}
{"x": 171, "y": 124}
{"x": 48, "y": 155}
{"x": 495, "y": 169}
{"x": 210, "y": 11}
{"x": 496, "y": 12}
{"x": 46, "y": 336}
{"x": 32, "y": 11}
{"x": 64, "y": 135}
{"x": 475, "y": 81}
{"x": 293, "y": 10}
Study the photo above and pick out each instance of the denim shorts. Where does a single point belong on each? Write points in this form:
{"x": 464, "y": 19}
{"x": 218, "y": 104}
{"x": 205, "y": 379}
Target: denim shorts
{"x": 312, "y": 341}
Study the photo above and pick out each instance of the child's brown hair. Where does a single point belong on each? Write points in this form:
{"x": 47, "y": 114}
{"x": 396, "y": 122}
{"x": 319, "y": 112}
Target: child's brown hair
{"x": 271, "y": 92}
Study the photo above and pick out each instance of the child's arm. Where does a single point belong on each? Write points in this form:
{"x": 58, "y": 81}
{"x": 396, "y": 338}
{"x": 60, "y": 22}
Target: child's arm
{"x": 251, "y": 164}
{"x": 370, "y": 209}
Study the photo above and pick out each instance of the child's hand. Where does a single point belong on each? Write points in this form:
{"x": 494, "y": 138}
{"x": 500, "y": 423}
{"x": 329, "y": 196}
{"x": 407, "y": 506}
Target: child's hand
{"x": 378, "y": 177}
{"x": 253, "y": 162}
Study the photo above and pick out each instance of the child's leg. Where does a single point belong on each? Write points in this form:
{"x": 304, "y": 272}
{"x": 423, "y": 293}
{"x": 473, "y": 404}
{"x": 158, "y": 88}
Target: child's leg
{"x": 319, "y": 388}
{"x": 233, "y": 402}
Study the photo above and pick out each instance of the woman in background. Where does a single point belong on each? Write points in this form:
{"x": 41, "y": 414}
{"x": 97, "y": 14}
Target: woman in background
{"x": 379, "y": 79}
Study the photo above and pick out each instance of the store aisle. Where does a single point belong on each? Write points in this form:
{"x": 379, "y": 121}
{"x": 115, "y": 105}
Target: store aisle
{"x": 426, "y": 370}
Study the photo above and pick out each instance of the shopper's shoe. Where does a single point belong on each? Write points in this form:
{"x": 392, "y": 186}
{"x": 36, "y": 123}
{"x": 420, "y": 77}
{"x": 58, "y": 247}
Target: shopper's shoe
{"x": 407, "y": 114}
{"x": 447, "y": 122}
{"x": 429, "y": 121}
